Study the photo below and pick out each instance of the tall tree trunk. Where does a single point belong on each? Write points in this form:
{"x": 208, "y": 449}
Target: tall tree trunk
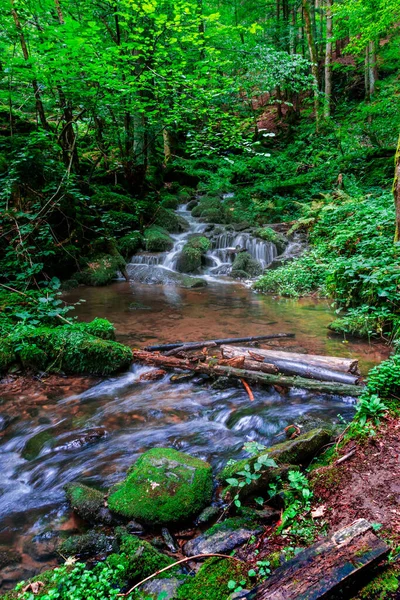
{"x": 38, "y": 100}
{"x": 313, "y": 57}
{"x": 370, "y": 70}
{"x": 396, "y": 191}
{"x": 328, "y": 60}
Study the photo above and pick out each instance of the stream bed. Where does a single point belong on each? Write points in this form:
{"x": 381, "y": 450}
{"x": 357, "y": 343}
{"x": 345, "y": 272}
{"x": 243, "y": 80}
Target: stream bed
{"x": 92, "y": 430}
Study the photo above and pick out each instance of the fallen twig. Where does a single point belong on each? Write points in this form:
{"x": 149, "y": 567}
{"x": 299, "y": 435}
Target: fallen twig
{"x": 346, "y": 456}
{"x": 248, "y": 389}
{"x": 189, "y": 558}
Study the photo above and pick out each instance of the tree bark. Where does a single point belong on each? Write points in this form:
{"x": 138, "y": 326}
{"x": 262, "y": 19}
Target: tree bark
{"x": 217, "y": 370}
{"x": 38, "y": 101}
{"x": 313, "y": 57}
{"x": 328, "y": 60}
{"x": 201, "y": 343}
{"x": 345, "y": 365}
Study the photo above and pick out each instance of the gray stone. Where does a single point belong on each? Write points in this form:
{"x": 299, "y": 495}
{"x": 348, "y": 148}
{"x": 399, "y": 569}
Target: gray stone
{"x": 207, "y": 514}
{"x": 220, "y": 542}
{"x": 155, "y": 587}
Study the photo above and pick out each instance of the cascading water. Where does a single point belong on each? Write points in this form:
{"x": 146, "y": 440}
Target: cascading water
{"x": 161, "y": 267}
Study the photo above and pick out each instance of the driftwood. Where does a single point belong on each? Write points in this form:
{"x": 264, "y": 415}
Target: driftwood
{"x": 291, "y": 367}
{"x": 215, "y": 369}
{"x": 188, "y": 348}
{"x": 346, "y": 365}
{"x": 194, "y": 345}
{"x": 322, "y": 570}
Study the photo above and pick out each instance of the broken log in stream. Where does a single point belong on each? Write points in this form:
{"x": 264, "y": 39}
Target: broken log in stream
{"x": 217, "y": 342}
{"x": 335, "y": 363}
{"x": 212, "y": 368}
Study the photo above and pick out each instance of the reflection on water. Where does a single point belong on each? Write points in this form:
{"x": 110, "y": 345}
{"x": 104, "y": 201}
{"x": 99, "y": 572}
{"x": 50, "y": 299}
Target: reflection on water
{"x": 95, "y": 435}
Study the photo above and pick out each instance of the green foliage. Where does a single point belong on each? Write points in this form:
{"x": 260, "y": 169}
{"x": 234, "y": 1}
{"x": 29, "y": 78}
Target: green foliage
{"x": 299, "y": 277}
{"x": 168, "y": 219}
{"x": 141, "y": 558}
{"x": 369, "y": 407}
{"x": 244, "y": 266}
{"x": 130, "y": 243}
{"x": 384, "y": 379}
{"x": 101, "y": 270}
{"x": 249, "y": 474}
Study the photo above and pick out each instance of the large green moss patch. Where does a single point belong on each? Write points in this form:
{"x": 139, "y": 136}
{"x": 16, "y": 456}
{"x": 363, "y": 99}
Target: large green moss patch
{"x": 163, "y": 486}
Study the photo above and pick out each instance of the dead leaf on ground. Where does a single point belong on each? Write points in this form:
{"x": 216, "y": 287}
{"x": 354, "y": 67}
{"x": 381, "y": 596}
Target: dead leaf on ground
{"x": 318, "y": 512}
{"x": 33, "y": 587}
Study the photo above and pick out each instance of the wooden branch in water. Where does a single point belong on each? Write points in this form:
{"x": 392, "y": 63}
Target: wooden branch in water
{"x": 291, "y": 367}
{"x": 194, "y": 345}
{"x": 327, "y": 387}
{"x": 346, "y": 365}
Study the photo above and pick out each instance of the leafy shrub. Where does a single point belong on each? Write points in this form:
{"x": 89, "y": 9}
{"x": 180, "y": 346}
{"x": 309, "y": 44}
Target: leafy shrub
{"x": 384, "y": 379}
{"x": 369, "y": 406}
{"x": 101, "y": 270}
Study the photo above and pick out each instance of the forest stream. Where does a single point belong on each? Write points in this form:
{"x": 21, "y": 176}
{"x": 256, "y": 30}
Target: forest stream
{"x": 55, "y": 434}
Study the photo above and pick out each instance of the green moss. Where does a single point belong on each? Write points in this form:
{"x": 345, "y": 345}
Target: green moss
{"x": 130, "y": 243}
{"x": 157, "y": 239}
{"x": 101, "y": 328}
{"x": 7, "y": 354}
{"x": 101, "y": 270}
{"x": 142, "y": 559}
{"x": 382, "y": 587}
{"x": 168, "y": 219}
{"x": 211, "y": 582}
{"x": 170, "y": 201}
{"x": 190, "y": 258}
{"x": 245, "y": 265}
{"x": 85, "y": 501}
{"x": 87, "y": 544}
{"x": 163, "y": 486}
{"x": 34, "y": 445}
{"x": 107, "y": 199}
{"x": 72, "y": 350}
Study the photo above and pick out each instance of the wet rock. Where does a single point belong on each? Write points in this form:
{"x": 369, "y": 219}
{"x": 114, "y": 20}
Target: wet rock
{"x": 167, "y": 587}
{"x": 201, "y": 379}
{"x": 190, "y": 205}
{"x": 88, "y": 544}
{"x": 43, "y": 547}
{"x": 134, "y": 527}
{"x": 222, "y": 538}
{"x": 245, "y": 266}
{"x": 181, "y": 377}
{"x": 83, "y": 439}
{"x": 153, "y": 375}
{"x": 163, "y": 486}
{"x": 169, "y": 540}
{"x": 34, "y": 445}
{"x": 6, "y": 421}
{"x": 9, "y": 557}
{"x": 241, "y": 226}
{"x": 207, "y": 515}
{"x": 88, "y": 503}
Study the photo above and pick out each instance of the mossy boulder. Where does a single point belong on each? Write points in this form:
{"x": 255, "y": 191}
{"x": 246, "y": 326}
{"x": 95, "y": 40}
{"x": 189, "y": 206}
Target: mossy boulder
{"x": 101, "y": 328}
{"x": 170, "y": 201}
{"x": 101, "y": 270}
{"x": 33, "y": 446}
{"x": 111, "y": 200}
{"x": 130, "y": 243}
{"x": 270, "y": 235}
{"x": 245, "y": 266}
{"x": 192, "y": 282}
{"x": 157, "y": 239}
{"x": 72, "y": 350}
{"x": 190, "y": 258}
{"x": 88, "y": 503}
{"x": 88, "y": 544}
{"x": 211, "y": 581}
{"x": 191, "y": 205}
{"x": 169, "y": 220}
{"x": 163, "y": 486}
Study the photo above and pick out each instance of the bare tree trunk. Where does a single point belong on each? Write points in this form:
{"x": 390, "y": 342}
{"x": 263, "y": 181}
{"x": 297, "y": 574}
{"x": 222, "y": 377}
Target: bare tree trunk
{"x": 313, "y": 57}
{"x": 370, "y": 70}
{"x": 328, "y": 60}
{"x": 35, "y": 85}
{"x": 396, "y": 191}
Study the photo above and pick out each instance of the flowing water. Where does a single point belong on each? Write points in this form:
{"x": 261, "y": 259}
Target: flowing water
{"x": 92, "y": 431}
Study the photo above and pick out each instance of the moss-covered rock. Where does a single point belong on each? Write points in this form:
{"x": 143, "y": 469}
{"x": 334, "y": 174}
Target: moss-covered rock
{"x": 101, "y": 270}
{"x": 270, "y": 235}
{"x": 168, "y": 219}
{"x": 157, "y": 239}
{"x": 245, "y": 265}
{"x": 101, "y": 328}
{"x": 130, "y": 243}
{"x": 170, "y": 201}
{"x": 211, "y": 581}
{"x": 33, "y": 446}
{"x": 72, "y": 350}
{"x": 190, "y": 258}
{"x": 88, "y": 503}
{"x": 88, "y": 544}
{"x": 163, "y": 486}
{"x": 111, "y": 200}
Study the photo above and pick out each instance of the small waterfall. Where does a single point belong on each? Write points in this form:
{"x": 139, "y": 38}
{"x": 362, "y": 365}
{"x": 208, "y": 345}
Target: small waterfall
{"x": 161, "y": 267}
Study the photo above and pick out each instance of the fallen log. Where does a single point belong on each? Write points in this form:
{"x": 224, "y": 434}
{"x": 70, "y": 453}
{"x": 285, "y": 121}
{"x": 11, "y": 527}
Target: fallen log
{"x": 194, "y": 345}
{"x": 215, "y": 369}
{"x": 188, "y": 348}
{"x": 291, "y": 367}
{"x": 346, "y": 365}
{"x": 240, "y": 362}
{"x": 325, "y": 568}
